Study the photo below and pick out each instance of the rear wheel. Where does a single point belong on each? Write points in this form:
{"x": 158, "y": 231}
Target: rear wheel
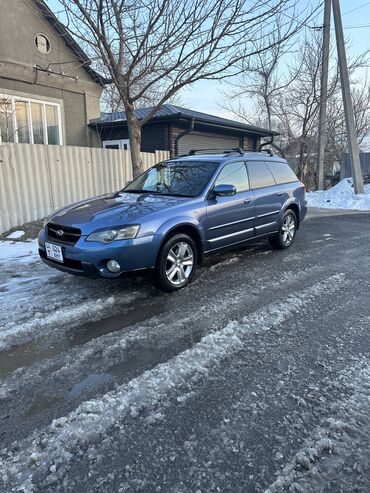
{"x": 287, "y": 230}
{"x": 176, "y": 263}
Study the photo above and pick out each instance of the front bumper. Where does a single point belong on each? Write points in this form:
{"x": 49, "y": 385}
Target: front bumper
{"x": 89, "y": 258}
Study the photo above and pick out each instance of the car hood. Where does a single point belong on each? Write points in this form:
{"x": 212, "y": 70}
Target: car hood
{"x": 113, "y": 210}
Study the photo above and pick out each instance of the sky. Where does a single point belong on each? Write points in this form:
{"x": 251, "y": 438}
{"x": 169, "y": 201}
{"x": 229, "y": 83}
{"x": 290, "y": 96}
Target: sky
{"x": 206, "y": 96}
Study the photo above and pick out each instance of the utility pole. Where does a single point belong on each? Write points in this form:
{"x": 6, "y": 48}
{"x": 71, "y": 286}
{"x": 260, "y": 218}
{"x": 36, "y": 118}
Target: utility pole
{"x": 323, "y": 95}
{"x": 354, "y": 153}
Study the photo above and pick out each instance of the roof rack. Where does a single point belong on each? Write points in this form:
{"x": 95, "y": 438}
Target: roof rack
{"x": 269, "y": 142}
{"x": 225, "y": 150}
{"x": 228, "y": 150}
{"x": 269, "y": 151}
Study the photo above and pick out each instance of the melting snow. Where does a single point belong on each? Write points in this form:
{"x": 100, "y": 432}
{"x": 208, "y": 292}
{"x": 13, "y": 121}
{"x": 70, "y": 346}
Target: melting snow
{"x": 341, "y": 196}
{"x": 334, "y": 436}
{"x": 21, "y": 252}
{"x": 37, "y": 301}
{"x": 15, "y": 235}
{"x": 179, "y": 376}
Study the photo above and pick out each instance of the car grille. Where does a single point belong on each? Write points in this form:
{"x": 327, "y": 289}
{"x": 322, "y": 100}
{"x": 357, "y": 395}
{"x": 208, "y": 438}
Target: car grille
{"x": 73, "y": 264}
{"x": 63, "y": 234}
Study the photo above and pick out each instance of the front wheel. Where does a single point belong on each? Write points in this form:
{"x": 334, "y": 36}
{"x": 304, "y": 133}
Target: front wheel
{"x": 287, "y": 230}
{"x": 176, "y": 263}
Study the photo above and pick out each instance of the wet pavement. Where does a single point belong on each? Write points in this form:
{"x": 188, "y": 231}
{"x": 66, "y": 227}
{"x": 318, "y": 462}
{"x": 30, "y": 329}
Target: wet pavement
{"x": 241, "y": 350}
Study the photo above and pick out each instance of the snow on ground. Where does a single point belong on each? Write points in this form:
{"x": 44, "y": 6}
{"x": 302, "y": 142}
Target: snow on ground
{"x": 51, "y": 452}
{"x": 341, "y": 196}
{"x": 22, "y": 252}
{"x": 36, "y": 300}
{"x": 119, "y": 345}
{"x": 16, "y": 235}
{"x": 325, "y": 453}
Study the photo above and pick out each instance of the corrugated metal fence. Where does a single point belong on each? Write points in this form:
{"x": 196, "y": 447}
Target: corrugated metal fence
{"x": 37, "y": 179}
{"x": 345, "y": 169}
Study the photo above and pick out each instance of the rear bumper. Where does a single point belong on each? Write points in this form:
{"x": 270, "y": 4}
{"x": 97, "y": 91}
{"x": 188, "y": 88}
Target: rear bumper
{"x": 303, "y": 211}
{"x": 89, "y": 258}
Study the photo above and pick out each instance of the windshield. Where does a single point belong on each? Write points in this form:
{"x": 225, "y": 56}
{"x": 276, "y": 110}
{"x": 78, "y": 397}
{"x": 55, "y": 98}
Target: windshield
{"x": 182, "y": 179}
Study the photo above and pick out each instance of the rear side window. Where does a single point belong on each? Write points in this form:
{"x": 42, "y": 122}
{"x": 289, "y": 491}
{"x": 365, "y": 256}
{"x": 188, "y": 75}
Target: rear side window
{"x": 282, "y": 172}
{"x": 234, "y": 174}
{"x": 259, "y": 175}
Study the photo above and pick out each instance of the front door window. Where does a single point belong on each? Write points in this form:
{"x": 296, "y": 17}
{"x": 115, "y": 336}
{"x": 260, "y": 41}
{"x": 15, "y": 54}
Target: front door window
{"x": 234, "y": 174}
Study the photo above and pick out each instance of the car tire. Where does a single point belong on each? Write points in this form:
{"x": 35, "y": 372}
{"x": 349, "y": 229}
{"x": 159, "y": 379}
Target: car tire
{"x": 176, "y": 263}
{"x": 287, "y": 231}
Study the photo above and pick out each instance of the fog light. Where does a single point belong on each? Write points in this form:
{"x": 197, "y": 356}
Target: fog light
{"x": 113, "y": 266}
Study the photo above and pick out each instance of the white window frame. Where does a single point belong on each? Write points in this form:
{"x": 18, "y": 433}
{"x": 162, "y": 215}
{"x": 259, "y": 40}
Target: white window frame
{"x": 120, "y": 142}
{"x": 13, "y": 99}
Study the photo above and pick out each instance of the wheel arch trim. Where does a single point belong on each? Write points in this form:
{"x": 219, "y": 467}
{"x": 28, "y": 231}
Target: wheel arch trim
{"x": 182, "y": 224}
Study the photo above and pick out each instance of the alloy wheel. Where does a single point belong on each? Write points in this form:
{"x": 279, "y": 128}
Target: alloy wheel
{"x": 179, "y": 263}
{"x": 288, "y": 229}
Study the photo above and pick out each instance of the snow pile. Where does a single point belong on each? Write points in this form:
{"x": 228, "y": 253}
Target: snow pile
{"x": 341, "y": 196}
{"x": 15, "y": 235}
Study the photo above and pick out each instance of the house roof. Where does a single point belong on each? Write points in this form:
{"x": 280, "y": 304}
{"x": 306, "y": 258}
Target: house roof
{"x": 69, "y": 41}
{"x": 170, "y": 112}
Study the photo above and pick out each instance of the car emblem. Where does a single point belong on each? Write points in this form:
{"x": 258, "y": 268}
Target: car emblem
{"x": 60, "y": 232}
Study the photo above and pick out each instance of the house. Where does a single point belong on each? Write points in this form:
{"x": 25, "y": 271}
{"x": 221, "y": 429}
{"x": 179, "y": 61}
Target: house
{"x": 178, "y": 130}
{"x": 48, "y": 90}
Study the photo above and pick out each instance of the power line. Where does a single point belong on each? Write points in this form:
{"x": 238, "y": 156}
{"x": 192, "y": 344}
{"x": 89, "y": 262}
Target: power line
{"x": 354, "y": 26}
{"x": 356, "y": 8}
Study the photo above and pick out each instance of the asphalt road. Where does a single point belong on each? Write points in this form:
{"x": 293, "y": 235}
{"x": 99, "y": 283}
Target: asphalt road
{"x": 254, "y": 378}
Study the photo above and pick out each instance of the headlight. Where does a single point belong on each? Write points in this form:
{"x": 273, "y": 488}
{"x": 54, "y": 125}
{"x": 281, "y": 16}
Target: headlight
{"x": 109, "y": 235}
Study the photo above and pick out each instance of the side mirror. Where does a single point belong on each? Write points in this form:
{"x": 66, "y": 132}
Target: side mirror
{"x": 224, "y": 190}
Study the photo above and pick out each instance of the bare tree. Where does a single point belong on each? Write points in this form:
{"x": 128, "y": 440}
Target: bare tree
{"x": 259, "y": 79}
{"x": 299, "y": 105}
{"x": 112, "y": 101}
{"x": 161, "y": 46}
{"x": 286, "y": 97}
{"x": 336, "y": 129}
{"x": 7, "y": 111}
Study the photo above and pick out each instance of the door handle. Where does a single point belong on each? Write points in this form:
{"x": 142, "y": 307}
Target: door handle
{"x": 280, "y": 194}
{"x": 247, "y": 201}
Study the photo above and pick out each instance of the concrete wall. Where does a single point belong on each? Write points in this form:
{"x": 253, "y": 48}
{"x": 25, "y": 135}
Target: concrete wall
{"x": 79, "y": 96}
{"x": 36, "y": 179}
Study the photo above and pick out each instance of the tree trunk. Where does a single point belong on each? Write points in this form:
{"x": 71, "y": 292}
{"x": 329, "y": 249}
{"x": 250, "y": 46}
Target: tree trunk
{"x": 134, "y": 134}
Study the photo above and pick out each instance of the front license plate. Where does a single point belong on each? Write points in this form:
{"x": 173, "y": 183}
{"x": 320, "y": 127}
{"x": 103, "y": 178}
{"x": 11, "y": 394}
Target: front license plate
{"x": 54, "y": 251}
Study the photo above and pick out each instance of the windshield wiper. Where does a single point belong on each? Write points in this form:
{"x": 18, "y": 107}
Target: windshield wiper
{"x": 139, "y": 191}
{"x": 155, "y": 192}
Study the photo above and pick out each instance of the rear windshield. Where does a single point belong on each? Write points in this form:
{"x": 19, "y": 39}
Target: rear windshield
{"x": 182, "y": 179}
{"x": 281, "y": 172}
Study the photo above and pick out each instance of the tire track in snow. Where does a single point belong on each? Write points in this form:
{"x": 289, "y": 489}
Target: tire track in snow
{"x": 34, "y": 292}
{"x": 70, "y": 316}
{"x": 116, "y": 346}
{"x": 324, "y": 461}
{"x": 47, "y": 454}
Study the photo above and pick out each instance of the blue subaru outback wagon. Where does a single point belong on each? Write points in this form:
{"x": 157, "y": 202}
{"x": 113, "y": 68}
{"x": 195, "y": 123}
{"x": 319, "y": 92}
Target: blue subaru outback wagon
{"x": 168, "y": 218}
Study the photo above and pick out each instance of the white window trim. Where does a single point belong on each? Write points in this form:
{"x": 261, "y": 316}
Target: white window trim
{"x": 14, "y": 99}
{"x": 120, "y": 142}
